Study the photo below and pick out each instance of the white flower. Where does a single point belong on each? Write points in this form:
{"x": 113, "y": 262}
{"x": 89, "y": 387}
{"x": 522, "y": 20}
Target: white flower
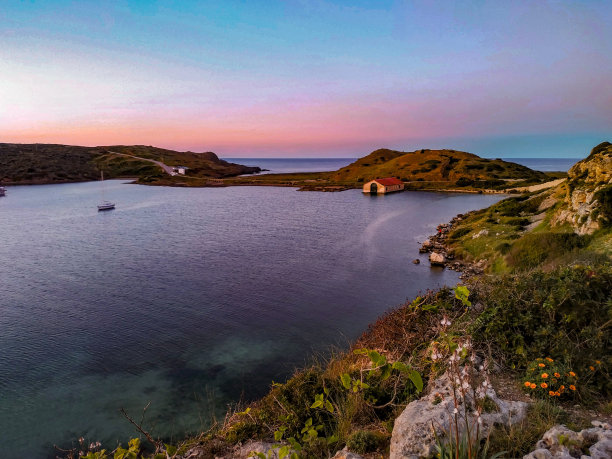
{"x": 445, "y": 322}
{"x": 465, "y": 385}
{"x": 455, "y": 411}
{"x": 479, "y": 420}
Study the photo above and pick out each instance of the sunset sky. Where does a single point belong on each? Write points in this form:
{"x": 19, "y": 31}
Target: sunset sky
{"x": 309, "y": 78}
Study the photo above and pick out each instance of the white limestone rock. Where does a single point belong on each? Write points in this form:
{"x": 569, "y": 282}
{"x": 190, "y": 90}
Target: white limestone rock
{"x": 413, "y": 435}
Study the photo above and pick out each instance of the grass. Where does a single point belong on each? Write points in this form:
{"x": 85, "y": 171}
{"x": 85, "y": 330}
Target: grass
{"x": 519, "y": 439}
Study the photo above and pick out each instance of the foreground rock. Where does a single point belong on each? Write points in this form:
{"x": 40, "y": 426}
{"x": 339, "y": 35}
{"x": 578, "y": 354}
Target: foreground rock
{"x": 561, "y": 442}
{"x": 413, "y": 435}
{"x": 344, "y": 454}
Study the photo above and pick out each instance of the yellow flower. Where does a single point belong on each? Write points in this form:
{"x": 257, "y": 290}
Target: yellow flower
{"x": 557, "y": 375}
{"x": 541, "y": 365}
{"x": 527, "y": 384}
{"x": 543, "y": 385}
{"x": 572, "y": 387}
{"x": 533, "y": 386}
{"x": 544, "y": 375}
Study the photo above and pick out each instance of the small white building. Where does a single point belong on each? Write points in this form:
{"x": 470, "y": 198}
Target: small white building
{"x": 383, "y": 186}
{"x": 180, "y": 169}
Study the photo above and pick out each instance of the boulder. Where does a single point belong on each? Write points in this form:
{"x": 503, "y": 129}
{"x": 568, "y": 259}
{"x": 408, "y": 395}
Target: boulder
{"x": 413, "y": 433}
{"x": 344, "y": 454}
{"x": 437, "y": 258}
{"x": 483, "y": 232}
{"x": 562, "y": 443}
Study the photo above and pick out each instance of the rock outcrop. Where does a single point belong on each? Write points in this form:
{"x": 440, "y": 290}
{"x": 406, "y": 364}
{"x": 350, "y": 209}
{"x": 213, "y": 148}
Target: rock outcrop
{"x": 563, "y": 443}
{"x": 587, "y": 180}
{"x": 413, "y": 433}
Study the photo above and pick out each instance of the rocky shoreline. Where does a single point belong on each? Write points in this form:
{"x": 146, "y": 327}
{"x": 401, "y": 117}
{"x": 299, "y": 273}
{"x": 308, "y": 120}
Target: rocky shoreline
{"x": 441, "y": 255}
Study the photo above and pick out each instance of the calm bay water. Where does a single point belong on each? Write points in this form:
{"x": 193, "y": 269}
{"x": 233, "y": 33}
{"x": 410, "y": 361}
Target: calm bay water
{"x": 187, "y": 298}
{"x": 287, "y": 165}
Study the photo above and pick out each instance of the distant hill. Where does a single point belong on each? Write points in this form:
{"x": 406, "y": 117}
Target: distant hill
{"x": 455, "y": 167}
{"x": 52, "y": 163}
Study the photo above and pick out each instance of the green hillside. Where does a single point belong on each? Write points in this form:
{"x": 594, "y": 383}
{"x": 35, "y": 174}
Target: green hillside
{"x": 456, "y": 168}
{"x": 52, "y": 163}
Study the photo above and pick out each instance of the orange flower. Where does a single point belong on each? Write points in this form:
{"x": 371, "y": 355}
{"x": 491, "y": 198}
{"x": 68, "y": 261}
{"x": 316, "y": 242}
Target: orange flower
{"x": 533, "y": 386}
{"x": 549, "y": 359}
{"x": 558, "y": 394}
{"x": 598, "y": 362}
{"x": 591, "y": 368}
{"x": 572, "y": 387}
{"x": 527, "y": 384}
{"x": 543, "y": 385}
{"x": 551, "y": 393}
{"x": 562, "y": 388}
{"x": 541, "y": 365}
{"x": 572, "y": 374}
{"x": 544, "y": 375}
{"x": 557, "y": 375}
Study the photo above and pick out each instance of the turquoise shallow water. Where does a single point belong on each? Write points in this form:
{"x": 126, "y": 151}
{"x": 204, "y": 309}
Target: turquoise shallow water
{"x": 187, "y": 298}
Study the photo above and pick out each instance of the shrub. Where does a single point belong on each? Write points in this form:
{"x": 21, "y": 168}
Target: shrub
{"x": 565, "y": 314}
{"x": 460, "y": 232}
{"x": 604, "y": 197}
{"x": 503, "y": 248}
{"x": 464, "y": 181}
{"x": 366, "y": 441}
{"x": 533, "y": 249}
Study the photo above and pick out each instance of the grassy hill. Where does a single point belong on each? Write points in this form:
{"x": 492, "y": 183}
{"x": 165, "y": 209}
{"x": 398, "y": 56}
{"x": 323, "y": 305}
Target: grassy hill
{"x": 52, "y": 163}
{"x": 420, "y": 170}
{"x": 456, "y": 168}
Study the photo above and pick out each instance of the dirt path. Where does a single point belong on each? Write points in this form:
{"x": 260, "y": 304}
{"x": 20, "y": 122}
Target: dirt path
{"x": 167, "y": 169}
{"x": 541, "y": 186}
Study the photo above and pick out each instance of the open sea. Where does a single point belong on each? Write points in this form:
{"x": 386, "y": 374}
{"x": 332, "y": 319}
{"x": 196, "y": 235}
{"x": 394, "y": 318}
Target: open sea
{"x": 188, "y": 298}
{"x": 287, "y": 165}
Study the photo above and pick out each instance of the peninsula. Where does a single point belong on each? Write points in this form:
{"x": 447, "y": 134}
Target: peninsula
{"x": 25, "y": 164}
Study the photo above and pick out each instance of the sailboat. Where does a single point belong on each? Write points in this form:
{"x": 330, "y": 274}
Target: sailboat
{"x": 105, "y": 205}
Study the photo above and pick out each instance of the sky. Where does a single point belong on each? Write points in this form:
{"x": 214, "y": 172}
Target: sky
{"x": 309, "y": 78}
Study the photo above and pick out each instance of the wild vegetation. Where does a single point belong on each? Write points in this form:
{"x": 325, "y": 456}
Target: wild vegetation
{"x": 49, "y": 163}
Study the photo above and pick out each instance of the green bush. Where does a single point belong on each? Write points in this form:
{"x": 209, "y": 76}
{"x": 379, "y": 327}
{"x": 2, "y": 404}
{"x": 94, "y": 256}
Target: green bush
{"x": 464, "y": 181}
{"x": 503, "y": 248}
{"x": 604, "y": 197}
{"x": 366, "y": 441}
{"x": 515, "y": 206}
{"x": 565, "y": 314}
{"x": 460, "y": 232}
{"x": 533, "y": 249}
{"x": 518, "y": 221}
